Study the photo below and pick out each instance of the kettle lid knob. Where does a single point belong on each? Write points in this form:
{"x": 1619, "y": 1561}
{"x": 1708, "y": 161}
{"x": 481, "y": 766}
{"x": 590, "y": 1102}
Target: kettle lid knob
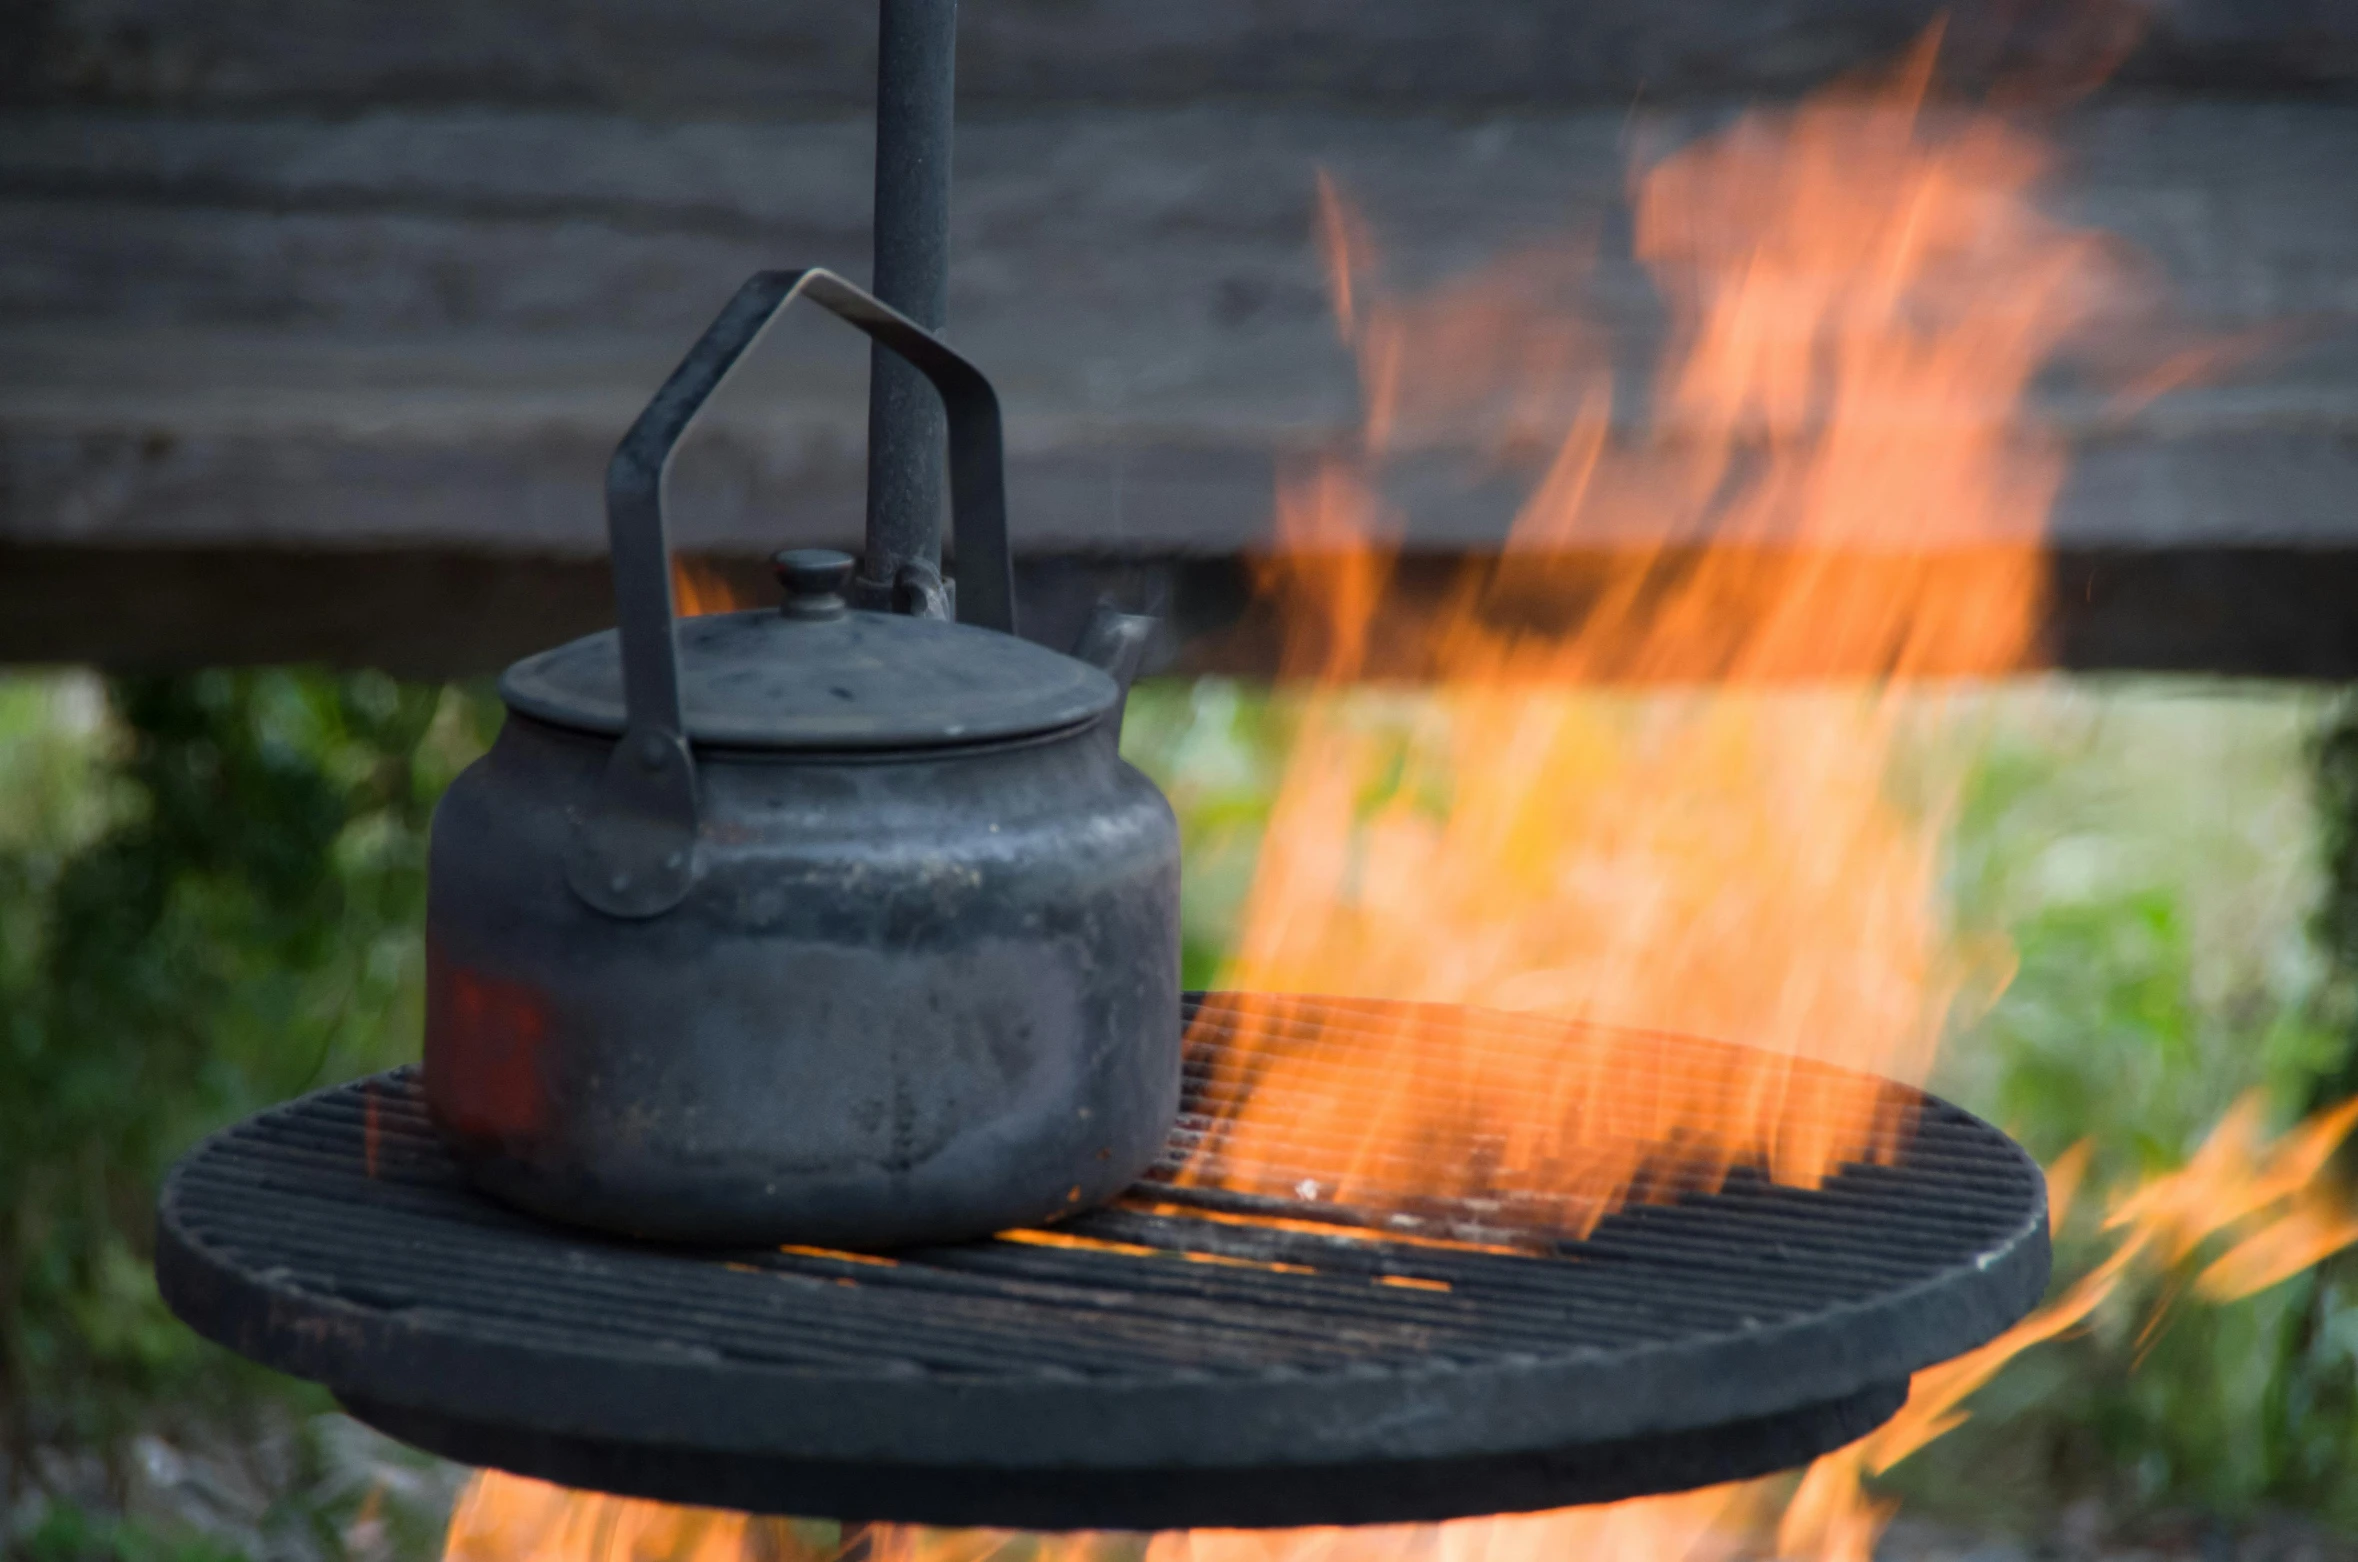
{"x": 814, "y": 579}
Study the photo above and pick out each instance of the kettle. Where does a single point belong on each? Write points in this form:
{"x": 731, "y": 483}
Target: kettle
{"x": 807, "y": 924}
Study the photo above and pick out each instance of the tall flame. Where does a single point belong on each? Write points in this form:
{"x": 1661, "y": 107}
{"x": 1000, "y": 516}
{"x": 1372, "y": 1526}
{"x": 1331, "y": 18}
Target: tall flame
{"x": 1860, "y": 296}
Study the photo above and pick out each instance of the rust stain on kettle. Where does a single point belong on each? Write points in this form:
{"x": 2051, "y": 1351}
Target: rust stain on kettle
{"x": 483, "y": 1041}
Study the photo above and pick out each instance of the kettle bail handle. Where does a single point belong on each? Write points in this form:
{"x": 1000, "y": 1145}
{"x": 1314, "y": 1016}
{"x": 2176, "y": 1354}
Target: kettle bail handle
{"x": 634, "y": 853}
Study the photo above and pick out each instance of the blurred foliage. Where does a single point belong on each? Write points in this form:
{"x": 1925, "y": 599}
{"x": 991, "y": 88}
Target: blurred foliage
{"x": 210, "y": 894}
{"x": 211, "y": 888}
{"x": 2336, "y": 922}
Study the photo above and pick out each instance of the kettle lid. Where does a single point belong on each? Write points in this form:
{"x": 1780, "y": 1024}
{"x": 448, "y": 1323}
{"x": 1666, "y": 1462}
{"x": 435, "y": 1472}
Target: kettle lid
{"x": 818, "y": 675}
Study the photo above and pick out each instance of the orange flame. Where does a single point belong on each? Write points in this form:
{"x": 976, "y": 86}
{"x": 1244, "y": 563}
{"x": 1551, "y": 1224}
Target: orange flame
{"x": 1860, "y": 298}
{"x": 699, "y": 587}
{"x": 509, "y": 1518}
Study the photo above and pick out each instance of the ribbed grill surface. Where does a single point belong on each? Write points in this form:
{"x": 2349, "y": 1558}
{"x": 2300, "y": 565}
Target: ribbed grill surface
{"x": 333, "y": 1235}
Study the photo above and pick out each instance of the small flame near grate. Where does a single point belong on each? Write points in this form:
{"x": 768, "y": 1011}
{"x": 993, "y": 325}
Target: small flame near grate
{"x": 699, "y": 587}
{"x": 1861, "y": 292}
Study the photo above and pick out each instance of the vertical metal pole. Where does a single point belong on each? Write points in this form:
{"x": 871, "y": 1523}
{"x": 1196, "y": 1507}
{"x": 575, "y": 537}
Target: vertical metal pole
{"x": 916, "y": 69}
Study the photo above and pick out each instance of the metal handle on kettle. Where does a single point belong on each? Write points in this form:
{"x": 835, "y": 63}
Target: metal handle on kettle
{"x": 635, "y": 855}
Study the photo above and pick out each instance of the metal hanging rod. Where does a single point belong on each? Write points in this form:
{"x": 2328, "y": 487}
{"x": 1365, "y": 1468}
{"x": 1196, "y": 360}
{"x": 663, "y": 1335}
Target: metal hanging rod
{"x": 916, "y": 78}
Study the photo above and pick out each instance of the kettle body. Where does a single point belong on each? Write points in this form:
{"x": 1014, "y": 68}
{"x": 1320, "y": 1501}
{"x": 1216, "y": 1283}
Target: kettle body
{"x": 911, "y": 997}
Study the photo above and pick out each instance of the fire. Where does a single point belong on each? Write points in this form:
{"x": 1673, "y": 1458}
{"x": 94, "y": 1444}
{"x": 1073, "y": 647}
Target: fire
{"x": 2287, "y": 1217}
{"x": 1712, "y": 1525}
{"x": 1835, "y": 478}
{"x": 1860, "y": 294}
{"x": 507, "y": 1518}
{"x": 699, "y": 587}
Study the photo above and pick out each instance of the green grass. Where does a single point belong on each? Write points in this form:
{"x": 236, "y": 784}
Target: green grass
{"x": 210, "y": 895}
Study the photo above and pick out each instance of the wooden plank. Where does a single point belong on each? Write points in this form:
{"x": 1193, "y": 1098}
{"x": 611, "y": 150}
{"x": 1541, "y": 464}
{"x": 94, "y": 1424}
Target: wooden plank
{"x": 2263, "y": 612}
{"x": 507, "y": 223}
{"x": 751, "y": 57}
{"x": 426, "y": 330}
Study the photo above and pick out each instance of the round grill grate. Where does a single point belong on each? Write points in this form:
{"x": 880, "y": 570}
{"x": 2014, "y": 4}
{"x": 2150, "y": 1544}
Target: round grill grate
{"x": 1185, "y": 1358}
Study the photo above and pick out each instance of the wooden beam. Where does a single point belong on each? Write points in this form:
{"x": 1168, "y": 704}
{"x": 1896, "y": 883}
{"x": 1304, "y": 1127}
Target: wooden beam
{"x": 735, "y": 58}
{"x": 2263, "y": 612}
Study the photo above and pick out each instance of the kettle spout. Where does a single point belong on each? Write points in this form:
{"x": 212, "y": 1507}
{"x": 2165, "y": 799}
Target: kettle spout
{"x": 1115, "y": 644}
